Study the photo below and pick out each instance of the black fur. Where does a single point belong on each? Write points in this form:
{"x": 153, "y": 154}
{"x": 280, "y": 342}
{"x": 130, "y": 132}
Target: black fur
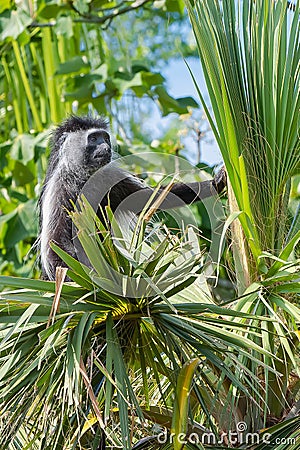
{"x": 66, "y": 181}
{"x": 73, "y": 124}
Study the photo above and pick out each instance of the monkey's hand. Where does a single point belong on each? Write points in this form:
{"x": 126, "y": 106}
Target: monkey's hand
{"x": 220, "y": 180}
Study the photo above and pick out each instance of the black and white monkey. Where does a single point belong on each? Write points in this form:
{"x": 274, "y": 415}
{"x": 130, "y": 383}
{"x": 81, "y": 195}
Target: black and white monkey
{"x": 79, "y": 147}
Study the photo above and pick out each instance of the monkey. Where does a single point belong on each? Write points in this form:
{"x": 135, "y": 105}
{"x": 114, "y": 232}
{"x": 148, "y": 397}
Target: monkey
{"x": 79, "y": 147}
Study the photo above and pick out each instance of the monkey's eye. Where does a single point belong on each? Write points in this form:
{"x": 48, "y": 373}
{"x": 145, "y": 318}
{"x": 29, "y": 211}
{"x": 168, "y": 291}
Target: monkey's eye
{"x": 98, "y": 137}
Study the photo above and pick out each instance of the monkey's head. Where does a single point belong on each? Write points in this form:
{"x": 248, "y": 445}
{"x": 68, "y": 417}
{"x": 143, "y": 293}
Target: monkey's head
{"x": 81, "y": 143}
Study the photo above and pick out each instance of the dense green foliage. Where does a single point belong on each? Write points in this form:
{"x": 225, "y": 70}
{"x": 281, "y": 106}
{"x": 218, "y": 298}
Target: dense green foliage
{"x": 59, "y": 58}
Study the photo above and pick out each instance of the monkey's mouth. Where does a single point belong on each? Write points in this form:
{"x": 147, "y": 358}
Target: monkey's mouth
{"x": 101, "y": 153}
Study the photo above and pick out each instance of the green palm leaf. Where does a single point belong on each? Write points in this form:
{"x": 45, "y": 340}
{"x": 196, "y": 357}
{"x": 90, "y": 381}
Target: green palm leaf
{"x": 82, "y": 367}
{"x": 250, "y": 57}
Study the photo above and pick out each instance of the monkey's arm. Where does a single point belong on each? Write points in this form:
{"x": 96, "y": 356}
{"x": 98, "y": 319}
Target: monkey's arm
{"x": 194, "y": 192}
{"x": 131, "y": 195}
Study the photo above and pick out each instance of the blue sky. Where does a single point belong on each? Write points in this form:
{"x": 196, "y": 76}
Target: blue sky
{"x": 180, "y": 84}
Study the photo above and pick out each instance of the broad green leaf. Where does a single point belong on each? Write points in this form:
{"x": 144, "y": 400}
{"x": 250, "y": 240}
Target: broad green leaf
{"x": 64, "y": 27}
{"x": 20, "y": 224}
{"x": 5, "y": 4}
{"x": 73, "y": 65}
{"x": 22, "y": 174}
{"x": 13, "y": 23}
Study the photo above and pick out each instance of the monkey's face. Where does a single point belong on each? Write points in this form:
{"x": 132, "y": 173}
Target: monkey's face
{"x": 87, "y": 149}
{"x": 98, "y": 149}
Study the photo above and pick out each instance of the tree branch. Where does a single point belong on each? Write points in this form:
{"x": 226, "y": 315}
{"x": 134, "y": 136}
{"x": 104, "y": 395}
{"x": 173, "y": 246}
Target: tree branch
{"x": 90, "y": 18}
{"x": 117, "y": 11}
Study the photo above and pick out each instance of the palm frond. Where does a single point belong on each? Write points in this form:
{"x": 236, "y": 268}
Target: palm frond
{"x": 250, "y": 57}
{"x": 63, "y": 381}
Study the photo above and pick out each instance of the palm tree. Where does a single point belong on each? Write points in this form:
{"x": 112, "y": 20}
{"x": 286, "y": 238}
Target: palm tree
{"x": 249, "y": 52}
{"x": 80, "y": 359}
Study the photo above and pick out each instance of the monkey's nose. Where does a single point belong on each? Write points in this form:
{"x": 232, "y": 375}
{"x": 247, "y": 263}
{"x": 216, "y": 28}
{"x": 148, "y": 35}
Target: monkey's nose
{"x": 102, "y": 150}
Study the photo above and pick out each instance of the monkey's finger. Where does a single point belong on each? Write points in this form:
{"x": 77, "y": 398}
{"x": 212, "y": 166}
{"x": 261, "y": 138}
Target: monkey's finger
{"x": 220, "y": 180}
